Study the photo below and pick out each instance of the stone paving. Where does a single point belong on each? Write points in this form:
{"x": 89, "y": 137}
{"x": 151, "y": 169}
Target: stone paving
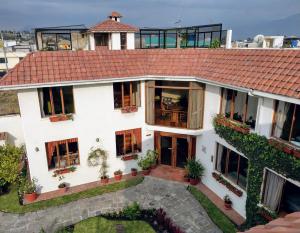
{"x": 173, "y": 197}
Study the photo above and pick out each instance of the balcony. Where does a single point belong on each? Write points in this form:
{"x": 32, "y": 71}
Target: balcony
{"x": 171, "y": 118}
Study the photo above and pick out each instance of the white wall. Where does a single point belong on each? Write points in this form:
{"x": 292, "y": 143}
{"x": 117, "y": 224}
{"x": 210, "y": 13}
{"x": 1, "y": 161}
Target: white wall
{"x": 115, "y": 41}
{"x": 265, "y": 116}
{"x": 12, "y": 125}
{"x": 91, "y": 41}
{"x": 95, "y": 118}
{"x": 13, "y": 58}
{"x": 130, "y": 40}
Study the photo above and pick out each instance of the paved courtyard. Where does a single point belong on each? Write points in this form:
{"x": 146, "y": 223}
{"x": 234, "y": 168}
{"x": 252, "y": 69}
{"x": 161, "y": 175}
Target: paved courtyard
{"x": 173, "y": 197}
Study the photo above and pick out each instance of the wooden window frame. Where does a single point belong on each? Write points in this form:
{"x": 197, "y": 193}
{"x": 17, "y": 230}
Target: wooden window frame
{"x": 232, "y": 104}
{"x": 123, "y": 46}
{"x": 227, "y": 163}
{"x": 130, "y": 93}
{"x": 61, "y": 93}
{"x": 133, "y": 134}
{"x": 276, "y": 104}
{"x": 66, "y": 142}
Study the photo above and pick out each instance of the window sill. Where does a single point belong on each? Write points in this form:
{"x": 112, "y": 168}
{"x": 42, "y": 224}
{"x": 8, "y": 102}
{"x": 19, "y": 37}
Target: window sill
{"x": 61, "y": 171}
{"x": 132, "y": 156}
{"x": 61, "y": 117}
{"x": 129, "y": 109}
{"x": 285, "y": 146}
{"x": 220, "y": 178}
{"x": 235, "y": 125}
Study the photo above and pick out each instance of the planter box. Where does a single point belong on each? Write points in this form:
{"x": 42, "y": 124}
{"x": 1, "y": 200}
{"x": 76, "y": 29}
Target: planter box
{"x": 129, "y": 109}
{"x": 228, "y": 206}
{"x": 30, "y": 197}
{"x": 62, "y": 171}
{"x": 296, "y": 153}
{"x": 235, "y": 125}
{"x": 129, "y": 157}
{"x": 58, "y": 118}
{"x": 282, "y": 146}
{"x": 133, "y": 172}
{"x": 228, "y": 185}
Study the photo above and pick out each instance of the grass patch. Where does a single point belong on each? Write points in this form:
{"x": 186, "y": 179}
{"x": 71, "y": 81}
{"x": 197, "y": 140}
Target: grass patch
{"x": 100, "y": 224}
{"x": 10, "y": 203}
{"x": 216, "y": 215}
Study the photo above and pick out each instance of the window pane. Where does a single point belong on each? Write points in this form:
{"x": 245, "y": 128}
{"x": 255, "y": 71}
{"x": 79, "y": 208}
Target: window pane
{"x": 126, "y": 94}
{"x": 201, "y": 40}
{"x": 73, "y": 153}
{"x": 284, "y": 116}
{"x": 221, "y": 163}
{"x": 57, "y": 100}
{"x": 135, "y": 93}
{"x": 239, "y": 106}
{"x": 191, "y": 37}
{"x": 101, "y": 39}
{"x": 243, "y": 172}
{"x": 207, "y": 40}
{"x": 123, "y": 40}
{"x": 49, "y": 41}
{"x": 117, "y": 95}
{"x": 233, "y": 166}
{"x": 45, "y": 101}
{"x": 251, "y": 111}
{"x": 171, "y": 40}
{"x": 227, "y": 101}
{"x": 63, "y": 155}
{"x": 64, "y": 41}
{"x": 120, "y": 145}
{"x": 296, "y": 128}
{"x": 52, "y": 156}
{"x": 68, "y": 99}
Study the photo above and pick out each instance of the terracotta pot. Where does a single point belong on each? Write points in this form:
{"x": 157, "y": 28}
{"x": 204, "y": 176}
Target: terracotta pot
{"x": 153, "y": 166}
{"x": 30, "y": 197}
{"x": 133, "y": 172}
{"x": 118, "y": 177}
{"x": 228, "y": 206}
{"x": 104, "y": 180}
{"x": 146, "y": 172}
{"x": 63, "y": 190}
{"x": 194, "y": 181}
{"x": 186, "y": 179}
{"x": 287, "y": 150}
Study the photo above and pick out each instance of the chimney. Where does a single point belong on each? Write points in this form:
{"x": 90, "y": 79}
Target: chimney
{"x": 115, "y": 16}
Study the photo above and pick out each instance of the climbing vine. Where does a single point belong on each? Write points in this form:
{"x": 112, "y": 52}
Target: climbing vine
{"x": 260, "y": 155}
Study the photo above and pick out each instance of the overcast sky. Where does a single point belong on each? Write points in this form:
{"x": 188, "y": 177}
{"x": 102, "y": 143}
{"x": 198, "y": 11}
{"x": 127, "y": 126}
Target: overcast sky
{"x": 27, "y": 14}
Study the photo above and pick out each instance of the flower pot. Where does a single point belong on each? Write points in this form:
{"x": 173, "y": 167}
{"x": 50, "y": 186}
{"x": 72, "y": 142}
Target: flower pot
{"x": 153, "y": 166}
{"x": 63, "y": 190}
{"x": 194, "y": 181}
{"x": 118, "y": 177}
{"x": 287, "y": 150}
{"x": 30, "y": 197}
{"x": 186, "y": 179}
{"x": 146, "y": 172}
{"x": 228, "y": 206}
{"x": 104, "y": 180}
{"x": 133, "y": 172}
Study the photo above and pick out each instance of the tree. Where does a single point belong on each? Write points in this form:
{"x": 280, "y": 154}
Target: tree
{"x": 10, "y": 158}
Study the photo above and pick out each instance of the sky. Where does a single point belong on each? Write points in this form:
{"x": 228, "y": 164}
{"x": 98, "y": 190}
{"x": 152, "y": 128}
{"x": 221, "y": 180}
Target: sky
{"x": 234, "y": 14}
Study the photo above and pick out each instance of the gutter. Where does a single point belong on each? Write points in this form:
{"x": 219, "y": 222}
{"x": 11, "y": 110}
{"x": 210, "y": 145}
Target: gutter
{"x": 250, "y": 92}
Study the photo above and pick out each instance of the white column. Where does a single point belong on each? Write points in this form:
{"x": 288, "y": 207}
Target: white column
{"x": 115, "y": 41}
{"x": 228, "y": 39}
{"x": 92, "y": 41}
{"x": 130, "y": 40}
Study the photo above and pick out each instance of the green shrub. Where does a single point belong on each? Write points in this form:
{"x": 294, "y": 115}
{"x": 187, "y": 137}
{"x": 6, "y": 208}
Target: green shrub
{"x": 195, "y": 169}
{"x": 132, "y": 212}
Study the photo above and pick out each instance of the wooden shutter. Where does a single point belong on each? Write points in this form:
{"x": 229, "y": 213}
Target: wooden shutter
{"x": 196, "y": 105}
{"x": 137, "y": 138}
{"x": 150, "y": 94}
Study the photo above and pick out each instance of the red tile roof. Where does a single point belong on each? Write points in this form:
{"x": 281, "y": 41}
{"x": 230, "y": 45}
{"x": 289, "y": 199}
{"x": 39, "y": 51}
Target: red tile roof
{"x": 288, "y": 224}
{"x": 271, "y": 71}
{"x": 112, "y": 26}
{"x": 115, "y": 14}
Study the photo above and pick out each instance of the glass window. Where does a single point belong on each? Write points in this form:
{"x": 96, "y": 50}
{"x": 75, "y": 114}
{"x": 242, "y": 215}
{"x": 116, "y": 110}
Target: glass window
{"x": 123, "y": 40}
{"x": 64, "y": 41}
{"x": 49, "y": 41}
{"x": 56, "y": 100}
{"x": 61, "y": 154}
{"x": 126, "y": 94}
{"x": 232, "y": 165}
{"x": 201, "y": 40}
{"x": 207, "y": 39}
{"x": 128, "y": 141}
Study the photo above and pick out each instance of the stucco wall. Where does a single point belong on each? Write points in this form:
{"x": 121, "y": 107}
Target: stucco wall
{"x": 130, "y": 40}
{"x": 115, "y": 41}
{"x": 12, "y": 125}
{"x": 95, "y": 117}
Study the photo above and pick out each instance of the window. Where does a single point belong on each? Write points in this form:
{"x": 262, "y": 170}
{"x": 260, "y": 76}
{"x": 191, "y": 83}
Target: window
{"x": 128, "y": 141}
{"x": 56, "y": 41}
{"x": 56, "y": 100}
{"x": 126, "y": 94}
{"x": 123, "y": 40}
{"x": 239, "y": 106}
{"x": 232, "y": 165}
{"x": 61, "y": 154}
{"x": 3, "y": 60}
{"x": 101, "y": 39}
{"x": 287, "y": 122}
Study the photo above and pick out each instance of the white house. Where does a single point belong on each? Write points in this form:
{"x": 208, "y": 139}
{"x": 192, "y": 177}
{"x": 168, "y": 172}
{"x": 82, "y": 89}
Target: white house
{"x": 129, "y": 101}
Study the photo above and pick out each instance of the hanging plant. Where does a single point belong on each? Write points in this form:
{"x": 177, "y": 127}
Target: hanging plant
{"x": 98, "y": 157}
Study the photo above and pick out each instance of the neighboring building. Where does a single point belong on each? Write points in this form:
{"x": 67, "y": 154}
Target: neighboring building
{"x": 130, "y": 101}
{"x": 12, "y": 58}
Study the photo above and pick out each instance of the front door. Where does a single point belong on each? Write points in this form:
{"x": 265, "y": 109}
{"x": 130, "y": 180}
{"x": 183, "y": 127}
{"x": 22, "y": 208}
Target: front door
{"x": 174, "y": 149}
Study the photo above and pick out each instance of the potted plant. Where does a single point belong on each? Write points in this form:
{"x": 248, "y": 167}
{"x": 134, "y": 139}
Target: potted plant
{"x": 98, "y": 157}
{"x": 195, "y": 171}
{"x": 63, "y": 187}
{"x": 227, "y": 202}
{"x": 152, "y": 155}
{"x": 133, "y": 171}
{"x": 29, "y": 189}
{"x": 145, "y": 163}
{"x": 118, "y": 175}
